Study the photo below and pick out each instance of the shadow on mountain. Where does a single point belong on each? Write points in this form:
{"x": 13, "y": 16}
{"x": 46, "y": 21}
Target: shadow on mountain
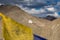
{"x": 38, "y": 38}
{"x": 51, "y": 18}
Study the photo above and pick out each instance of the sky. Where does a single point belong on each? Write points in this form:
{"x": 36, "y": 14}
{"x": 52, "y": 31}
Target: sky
{"x": 39, "y": 8}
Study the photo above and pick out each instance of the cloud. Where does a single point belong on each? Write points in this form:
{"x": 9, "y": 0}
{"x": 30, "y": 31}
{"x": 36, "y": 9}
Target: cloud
{"x": 0, "y": 4}
{"x": 52, "y": 9}
{"x": 55, "y": 14}
{"x": 31, "y": 11}
{"x": 28, "y": 0}
{"x": 40, "y": 12}
{"x": 58, "y": 3}
{"x": 34, "y": 11}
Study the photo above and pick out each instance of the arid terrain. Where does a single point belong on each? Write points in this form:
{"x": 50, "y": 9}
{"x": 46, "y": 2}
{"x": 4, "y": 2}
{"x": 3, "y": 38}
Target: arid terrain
{"x": 42, "y": 27}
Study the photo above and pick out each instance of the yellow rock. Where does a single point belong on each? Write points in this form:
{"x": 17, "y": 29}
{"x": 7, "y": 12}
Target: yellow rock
{"x": 15, "y": 31}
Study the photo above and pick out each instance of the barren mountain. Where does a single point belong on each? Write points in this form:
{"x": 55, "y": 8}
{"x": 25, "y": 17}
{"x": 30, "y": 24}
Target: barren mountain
{"x": 41, "y": 27}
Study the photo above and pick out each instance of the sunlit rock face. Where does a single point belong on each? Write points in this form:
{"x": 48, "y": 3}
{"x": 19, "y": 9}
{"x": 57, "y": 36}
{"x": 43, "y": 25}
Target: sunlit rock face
{"x": 41, "y": 27}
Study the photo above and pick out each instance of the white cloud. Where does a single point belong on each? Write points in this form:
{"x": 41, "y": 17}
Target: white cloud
{"x": 52, "y": 9}
{"x": 34, "y": 11}
{"x": 0, "y": 4}
{"x": 40, "y": 11}
{"x": 56, "y": 14}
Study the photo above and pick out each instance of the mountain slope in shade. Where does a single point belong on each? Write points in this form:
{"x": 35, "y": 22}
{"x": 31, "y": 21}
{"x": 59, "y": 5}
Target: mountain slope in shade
{"x": 51, "y": 18}
{"x": 41, "y": 27}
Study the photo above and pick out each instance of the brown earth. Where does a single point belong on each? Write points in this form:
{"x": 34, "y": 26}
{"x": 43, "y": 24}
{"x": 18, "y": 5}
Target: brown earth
{"x": 41, "y": 27}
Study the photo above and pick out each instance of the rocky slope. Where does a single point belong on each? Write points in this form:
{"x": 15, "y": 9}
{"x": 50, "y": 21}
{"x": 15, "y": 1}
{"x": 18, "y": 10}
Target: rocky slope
{"x": 41, "y": 27}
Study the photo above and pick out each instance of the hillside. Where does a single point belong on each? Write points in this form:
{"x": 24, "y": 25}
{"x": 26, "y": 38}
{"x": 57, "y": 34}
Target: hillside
{"x": 41, "y": 27}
